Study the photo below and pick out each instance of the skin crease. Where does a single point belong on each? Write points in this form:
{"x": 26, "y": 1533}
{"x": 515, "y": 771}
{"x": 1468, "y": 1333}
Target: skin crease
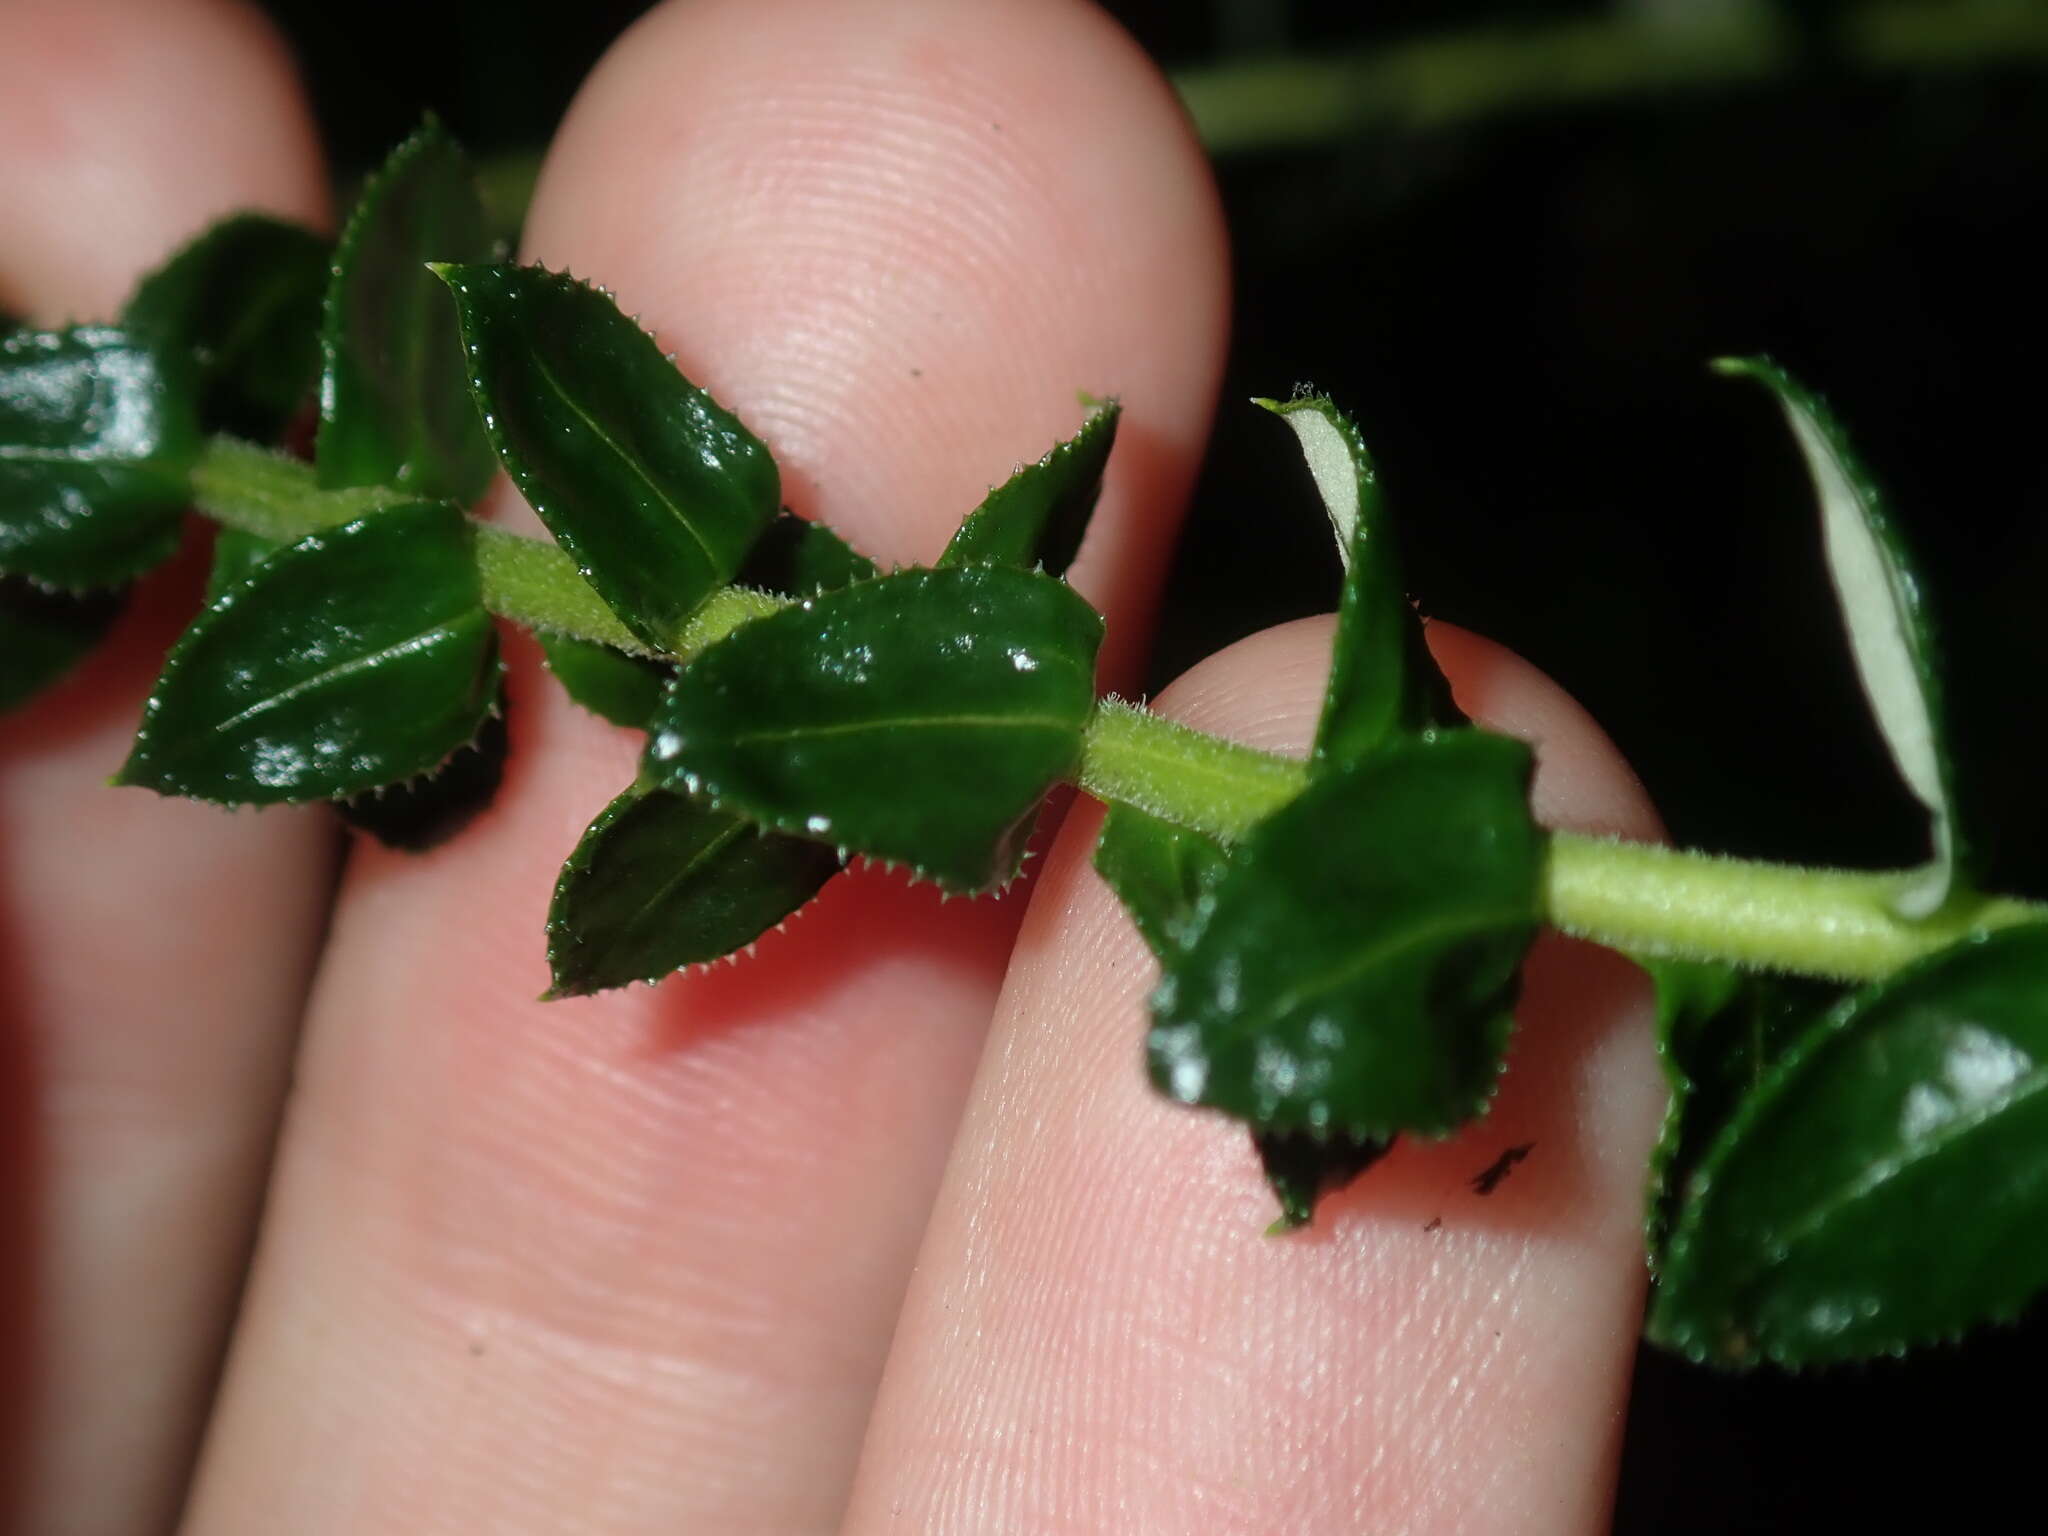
{"x": 636, "y": 1263}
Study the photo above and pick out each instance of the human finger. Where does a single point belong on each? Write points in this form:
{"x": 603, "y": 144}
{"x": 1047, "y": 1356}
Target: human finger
{"x": 153, "y": 954}
{"x": 631, "y": 1263}
{"x": 1099, "y": 1338}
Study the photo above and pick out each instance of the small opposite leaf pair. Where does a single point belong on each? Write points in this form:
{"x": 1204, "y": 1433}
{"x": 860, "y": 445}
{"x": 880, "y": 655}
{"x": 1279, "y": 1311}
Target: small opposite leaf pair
{"x": 354, "y": 661}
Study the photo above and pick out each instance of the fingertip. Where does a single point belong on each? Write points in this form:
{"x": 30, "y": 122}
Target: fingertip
{"x": 896, "y": 236}
{"x": 130, "y": 126}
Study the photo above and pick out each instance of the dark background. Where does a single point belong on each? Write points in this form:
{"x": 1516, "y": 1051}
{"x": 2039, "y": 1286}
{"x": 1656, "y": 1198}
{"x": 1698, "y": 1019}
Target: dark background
{"x": 1517, "y": 308}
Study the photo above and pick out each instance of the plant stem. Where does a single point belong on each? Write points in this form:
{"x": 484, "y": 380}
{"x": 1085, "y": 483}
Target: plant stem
{"x": 532, "y": 582}
{"x": 1629, "y": 896}
{"x": 1636, "y": 897}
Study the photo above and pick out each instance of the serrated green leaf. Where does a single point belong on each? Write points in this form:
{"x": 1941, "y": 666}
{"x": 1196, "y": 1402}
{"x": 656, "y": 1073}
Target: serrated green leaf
{"x": 1359, "y": 968}
{"x": 1887, "y": 1184}
{"x": 1719, "y": 1030}
{"x": 44, "y": 634}
{"x": 394, "y": 400}
{"x": 655, "y": 489}
{"x": 1383, "y": 682}
{"x": 98, "y": 435}
{"x": 1891, "y": 634}
{"x": 236, "y": 554}
{"x": 1338, "y": 463}
{"x": 242, "y": 303}
{"x": 918, "y": 717}
{"x": 424, "y": 813}
{"x": 1302, "y": 1168}
{"x": 800, "y": 558}
{"x": 1163, "y": 874}
{"x": 358, "y": 657}
{"x": 1038, "y": 516}
{"x": 661, "y": 881}
{"x": 620, "y": 688}
{"x": 1166, "y": 877}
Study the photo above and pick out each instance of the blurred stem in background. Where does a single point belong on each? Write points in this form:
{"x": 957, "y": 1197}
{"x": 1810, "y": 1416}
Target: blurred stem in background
{"x": 1643, "y": 50}
{"x": 1649, "y": 48}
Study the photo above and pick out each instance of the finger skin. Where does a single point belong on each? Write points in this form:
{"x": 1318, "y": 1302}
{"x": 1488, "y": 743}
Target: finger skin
{"x": 153, "y": 954}
{"x": 630, "y": 1263}
{"x": 1100, "y": 1339}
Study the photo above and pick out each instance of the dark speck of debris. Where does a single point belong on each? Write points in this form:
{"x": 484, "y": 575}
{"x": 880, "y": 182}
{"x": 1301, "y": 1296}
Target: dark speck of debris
{"x": 917, "y": 373}
{"x": 1487, "y": 1180}
{"x": 476, "y": 1346}
{"x": 1434, "y": 1223}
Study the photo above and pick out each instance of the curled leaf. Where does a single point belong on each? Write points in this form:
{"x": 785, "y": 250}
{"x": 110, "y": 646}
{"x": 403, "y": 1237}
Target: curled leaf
{"x": 1383, "y": 682}
{"x": 1891, "y": 634}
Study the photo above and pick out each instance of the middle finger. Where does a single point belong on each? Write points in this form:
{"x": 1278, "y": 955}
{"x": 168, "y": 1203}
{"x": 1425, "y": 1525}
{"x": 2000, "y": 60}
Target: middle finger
{"x": 633, "y": 1262}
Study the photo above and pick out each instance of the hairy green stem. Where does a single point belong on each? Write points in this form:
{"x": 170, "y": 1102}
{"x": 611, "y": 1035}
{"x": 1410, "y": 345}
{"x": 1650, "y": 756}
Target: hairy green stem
{"x": 1455, "y": 77}
{"x": 532, "y": 582}
{"x": 1630, "y": 896}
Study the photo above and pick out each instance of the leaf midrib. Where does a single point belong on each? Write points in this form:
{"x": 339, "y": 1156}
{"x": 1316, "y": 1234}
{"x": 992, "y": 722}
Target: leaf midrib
{"x": 1387, "y": 951}
{"x": 915, "y": 722}
{"x": 445, "y": 629}
{"x": 1876, "y": 1177}
{"x": 632, "y": 464}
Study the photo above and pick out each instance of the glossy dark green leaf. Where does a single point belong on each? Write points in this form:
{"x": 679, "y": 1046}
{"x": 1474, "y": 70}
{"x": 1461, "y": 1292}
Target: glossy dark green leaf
{"x": 44, "y": 634}
{"x": 236, "y": 554}
{"x": 1038, "y": 516}
{"x": 1887, "y": 1184}
{"x": 242, "y": 303}
{"x": 1719, "y": 1030}
{"x": 1884, "y": 605}
{"x": 655, "y": 489}
{"x": 800, "y": 558}
{"x": 361, "y": 656}
{"x": 1358, "y": 970}
{"x": 620, "y": 688}
{"x": 394, "y": 400}
{"x": 1164, "y": 875}
{"x": 1383, "y": 682}
{"x": 1302, "y": 1168}
{"x": 919, "y": 717}
{"x": 424, "y": 813}
{"x": 98, "y": 434}
{"x": 662, "y": 881}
